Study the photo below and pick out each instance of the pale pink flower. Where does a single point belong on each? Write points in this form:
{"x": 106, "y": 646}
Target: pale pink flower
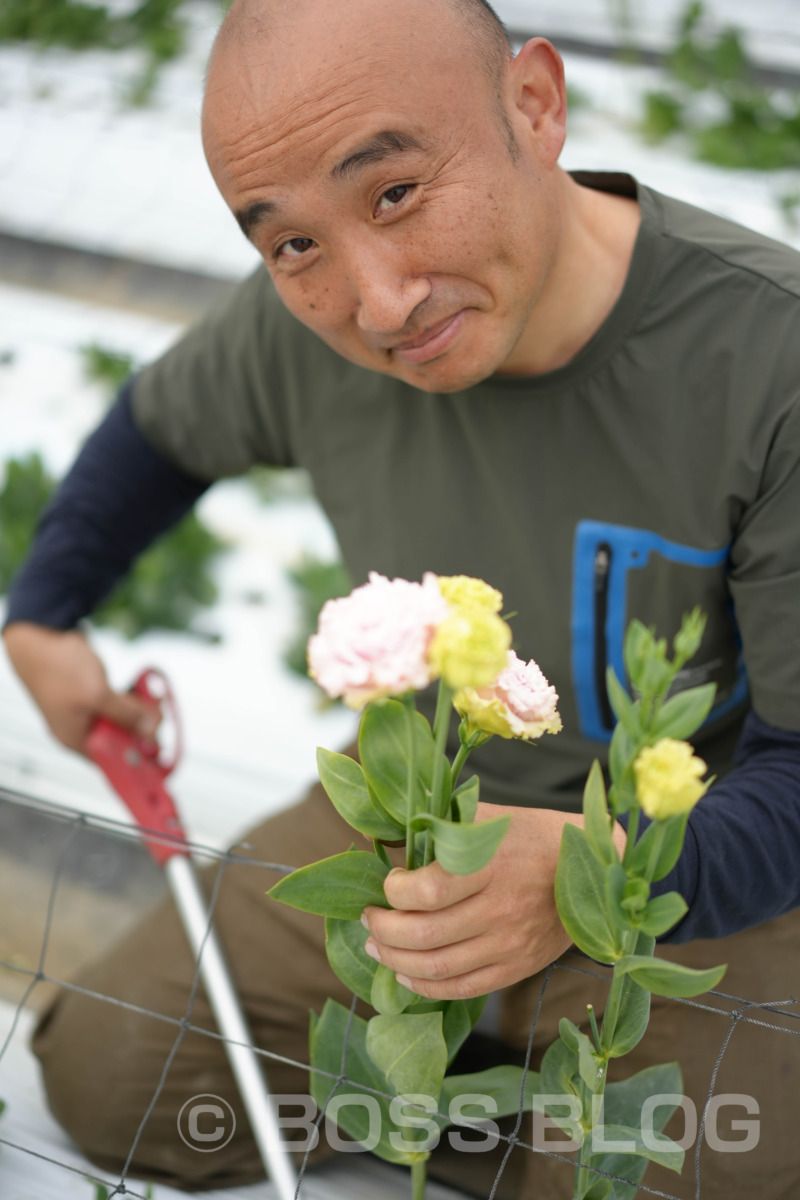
{"x": 374, "y": 642}
{"x": 519, "y": 704}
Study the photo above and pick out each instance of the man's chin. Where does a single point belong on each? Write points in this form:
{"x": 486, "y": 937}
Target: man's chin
{"x": 450, "y": 373}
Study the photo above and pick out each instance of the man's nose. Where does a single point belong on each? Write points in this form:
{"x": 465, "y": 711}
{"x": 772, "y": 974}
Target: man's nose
{"x": 386, "y": 295}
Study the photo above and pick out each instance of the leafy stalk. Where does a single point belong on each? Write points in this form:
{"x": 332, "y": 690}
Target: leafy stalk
{"x": 410, "y": 713}
{"x": 418, "y": 1178}
{"x": 441, "y": 724}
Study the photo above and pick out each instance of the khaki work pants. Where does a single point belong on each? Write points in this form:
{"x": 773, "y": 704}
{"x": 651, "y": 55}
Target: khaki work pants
{"x": 102, "y": 1063}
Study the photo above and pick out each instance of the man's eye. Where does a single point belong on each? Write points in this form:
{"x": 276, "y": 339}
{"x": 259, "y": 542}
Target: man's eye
{"x": 294, "y": 247}
{"x": 393, "y": 197}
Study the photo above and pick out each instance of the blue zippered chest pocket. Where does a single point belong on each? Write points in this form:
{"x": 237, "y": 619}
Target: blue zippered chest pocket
{"x": 620, "y": 573}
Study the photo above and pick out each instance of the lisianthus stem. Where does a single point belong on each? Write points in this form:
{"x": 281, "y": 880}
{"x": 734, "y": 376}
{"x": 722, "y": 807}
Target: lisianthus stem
{"x": 611, "y": 1015}
{"x": 411, "y": 712}
{"x": 441, "y": 724}
{"x": 458, "y": 764}
{"x": 655, "y": 850}
{"x": 633, "y": 829}
{"x": 418, "y": 1178}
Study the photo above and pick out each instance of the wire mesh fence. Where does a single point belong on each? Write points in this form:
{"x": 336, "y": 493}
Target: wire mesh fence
{"x": 779, "y": 1017}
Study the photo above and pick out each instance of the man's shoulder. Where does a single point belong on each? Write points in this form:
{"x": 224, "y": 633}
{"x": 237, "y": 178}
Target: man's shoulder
{"x": 735, "y": 248}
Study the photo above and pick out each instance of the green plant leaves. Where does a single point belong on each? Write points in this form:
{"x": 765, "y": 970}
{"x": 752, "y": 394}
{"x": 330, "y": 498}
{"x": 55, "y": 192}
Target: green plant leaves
{"x": 328, "y": 1034}
{"x": 463, "y": 849}
{"x": 581, "y": 900}
{"x": 465, "y": 800}
{"x": 634, "y": 1009}
{"x": 597, "y": 822}
{"x": 341, "y": 886}
{"x": 387, "y": 996}
{"x": 344, "y": 946}
{"x": 669, "y": 978}
{"x": 410, "y": 1050}
{"x": 383, "y": 750}
{"x": 623, "y": 1109}
{"x": 623, "y": 706}
{"x": 591, "y": 1066}
{"x": 670, "y": 833}
{"x": 657, "y": 1148}
{"x": 501, "y": 1084}
{"x": 343, "y": 780}
{"x": 662, "y": 913}
{"x": 681, "y": 715}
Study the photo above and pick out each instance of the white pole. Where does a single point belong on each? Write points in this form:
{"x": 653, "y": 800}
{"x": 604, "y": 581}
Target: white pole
{"x": 232, "y": 1024}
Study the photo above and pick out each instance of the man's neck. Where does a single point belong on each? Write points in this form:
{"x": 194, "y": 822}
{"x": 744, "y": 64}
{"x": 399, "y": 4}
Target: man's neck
{"x": 598, "y": 233}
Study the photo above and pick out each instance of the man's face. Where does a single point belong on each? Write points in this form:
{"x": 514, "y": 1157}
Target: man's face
{"x": 368, "y": 162}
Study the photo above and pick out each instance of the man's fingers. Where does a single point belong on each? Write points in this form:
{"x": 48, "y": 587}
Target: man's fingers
{"x": 446, "y": 962}
{"x": 130, "y": 712}
{"x": 420, "y": 930}
{"x": 463, "y": 987}
{"x": 430, "y": 888}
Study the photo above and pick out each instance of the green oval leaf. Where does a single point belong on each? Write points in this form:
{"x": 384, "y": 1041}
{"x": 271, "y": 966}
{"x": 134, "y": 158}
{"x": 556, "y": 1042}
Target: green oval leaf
{"x": 624, "y": 708}
{"x": 341, "y": 886}
{"x": 662, "y": 913}
{"x": 343, "y": 780}
{"x": 501, "y": 1084}
{"x": 466, "y": 800}
{"x": 671, "y": 834}
{"x": 383, "y": 750}
{"x": 387, "y": 996}
{"x": 328, "y": 1034}
{"x": 597, "y": 820}
{"x": 659, "y": 1149}
{"x": 634, "y": 1009}
{"x": 665, "y": 978}
{"x": 684, "y": 713}
{"x": 580, "y": 891}
{"x": 344, "y": 946}
{"x": 463, "y": 849}
{"x": 410, "y": 1050}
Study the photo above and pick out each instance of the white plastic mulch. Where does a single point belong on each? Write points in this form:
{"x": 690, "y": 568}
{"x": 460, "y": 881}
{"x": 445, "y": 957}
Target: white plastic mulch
{"x": 78, "y": 166}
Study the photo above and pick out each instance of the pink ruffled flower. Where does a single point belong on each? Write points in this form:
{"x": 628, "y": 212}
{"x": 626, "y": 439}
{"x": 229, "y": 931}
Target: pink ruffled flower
{"x": 374, "y": 642}
{"x": 520, "y": 704}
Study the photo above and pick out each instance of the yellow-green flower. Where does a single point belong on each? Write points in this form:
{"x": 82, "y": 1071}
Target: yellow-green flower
{"x": 668, "y": 778}
{"x": 464, "y": 591}
{"x": 470, "y": 647}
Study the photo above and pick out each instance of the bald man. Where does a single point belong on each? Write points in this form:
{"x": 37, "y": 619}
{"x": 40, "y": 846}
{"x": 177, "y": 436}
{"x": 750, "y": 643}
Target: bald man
{"x": 569, "y": 385}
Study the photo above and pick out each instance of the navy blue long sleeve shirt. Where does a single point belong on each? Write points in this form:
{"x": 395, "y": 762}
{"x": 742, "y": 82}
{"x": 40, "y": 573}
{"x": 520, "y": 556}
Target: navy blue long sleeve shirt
{"x": 739, "y": 866}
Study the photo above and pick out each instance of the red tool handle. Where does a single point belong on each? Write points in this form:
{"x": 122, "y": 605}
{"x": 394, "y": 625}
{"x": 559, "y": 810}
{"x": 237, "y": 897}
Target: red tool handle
{"x": 136, "y": 771}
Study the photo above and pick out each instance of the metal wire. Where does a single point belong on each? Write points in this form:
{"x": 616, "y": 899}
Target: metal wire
{"x": 77, "y": 820}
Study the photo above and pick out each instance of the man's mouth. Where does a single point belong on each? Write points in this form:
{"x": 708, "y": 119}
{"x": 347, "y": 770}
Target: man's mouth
{"x": 433, "y": 342}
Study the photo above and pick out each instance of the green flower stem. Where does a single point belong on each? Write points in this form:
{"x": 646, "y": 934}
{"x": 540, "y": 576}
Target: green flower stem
{"x": 611, "y": 1015}
{"x": 441, "y": 724}
{"x": 595, "y": 1031}
{"x": 633, "y": 829}
{"x": 410, "y": 711}
{"x": 418, "y": 1178}
{"x": 655, "y": 850}
{"x": 582, "y": 1176}
{"x": 458, "y": 763}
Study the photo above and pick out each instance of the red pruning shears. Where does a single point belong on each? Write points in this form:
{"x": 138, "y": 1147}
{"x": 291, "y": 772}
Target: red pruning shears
{"x": 136, "y": 770}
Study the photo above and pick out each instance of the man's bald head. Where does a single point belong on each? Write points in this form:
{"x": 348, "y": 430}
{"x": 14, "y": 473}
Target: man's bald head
{"x": 249, "y": 22}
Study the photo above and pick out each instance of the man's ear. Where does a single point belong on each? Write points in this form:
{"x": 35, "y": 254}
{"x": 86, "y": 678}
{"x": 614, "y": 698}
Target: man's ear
{"x": 539, "y": 99}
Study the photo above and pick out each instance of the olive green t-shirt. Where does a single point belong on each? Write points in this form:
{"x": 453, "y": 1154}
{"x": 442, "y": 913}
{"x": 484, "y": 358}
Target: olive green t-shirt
{"x": 657, "y": 470}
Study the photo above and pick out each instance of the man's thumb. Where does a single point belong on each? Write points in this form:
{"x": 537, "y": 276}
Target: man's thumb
{"x": 131, "y": 713}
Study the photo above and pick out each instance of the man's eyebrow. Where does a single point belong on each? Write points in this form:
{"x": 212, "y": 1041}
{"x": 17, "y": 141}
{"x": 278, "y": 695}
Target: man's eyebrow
{"x": 249, "y": 217}
{"x": 382, "y": 145}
